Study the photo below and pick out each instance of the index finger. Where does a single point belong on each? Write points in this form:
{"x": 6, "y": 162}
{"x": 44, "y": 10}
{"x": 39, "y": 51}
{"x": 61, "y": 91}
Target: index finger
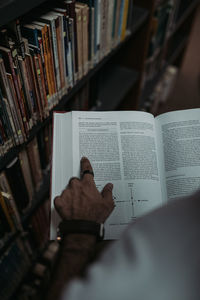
{"x": 86, "y": 166}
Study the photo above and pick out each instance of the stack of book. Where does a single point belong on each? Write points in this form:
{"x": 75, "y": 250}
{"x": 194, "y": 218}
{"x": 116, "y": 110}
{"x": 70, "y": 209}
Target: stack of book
{"x": 41, "y": 59}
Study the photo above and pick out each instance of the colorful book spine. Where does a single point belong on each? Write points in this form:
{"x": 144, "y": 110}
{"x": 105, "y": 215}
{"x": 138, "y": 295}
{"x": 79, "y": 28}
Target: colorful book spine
{"x": 124, "y": 21}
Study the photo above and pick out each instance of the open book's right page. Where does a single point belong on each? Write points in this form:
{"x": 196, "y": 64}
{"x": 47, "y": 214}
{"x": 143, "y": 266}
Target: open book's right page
{"x": 178, "y": 139}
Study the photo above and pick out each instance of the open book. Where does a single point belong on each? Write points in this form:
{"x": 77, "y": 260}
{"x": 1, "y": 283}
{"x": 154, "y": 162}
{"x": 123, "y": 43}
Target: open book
{"x": 149, "y": 160}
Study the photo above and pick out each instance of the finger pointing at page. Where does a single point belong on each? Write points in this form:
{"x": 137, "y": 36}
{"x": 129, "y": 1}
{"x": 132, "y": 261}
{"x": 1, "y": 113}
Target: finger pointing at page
{"x": 87, "y": 173}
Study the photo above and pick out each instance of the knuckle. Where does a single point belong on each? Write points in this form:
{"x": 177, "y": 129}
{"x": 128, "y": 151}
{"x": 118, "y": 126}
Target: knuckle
{"x": 57, "y": 201}
{"x": 74, "y": 183}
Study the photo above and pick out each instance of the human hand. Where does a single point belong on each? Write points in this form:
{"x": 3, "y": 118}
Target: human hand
{"x": 81, "y": 199}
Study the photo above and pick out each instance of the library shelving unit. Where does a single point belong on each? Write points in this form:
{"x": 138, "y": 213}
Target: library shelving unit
{"x": 118, "y": 75}
{"x": 128, "y": 75}
{"x": 173, "y": 48}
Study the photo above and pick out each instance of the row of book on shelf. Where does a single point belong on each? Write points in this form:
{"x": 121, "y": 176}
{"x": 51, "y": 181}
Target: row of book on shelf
{"x": 163, "y": 23}
{"x": 23, "y": 229}
{"x": 162, "y": 90}
{"x": 27, "y": 244}
{"x": 44, "y": 54}
{"x": 20, "y": 182}
{"x": 21, "y": 278}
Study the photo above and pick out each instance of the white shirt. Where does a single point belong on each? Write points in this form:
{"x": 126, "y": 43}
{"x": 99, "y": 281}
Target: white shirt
{"x": 157, "y": 258}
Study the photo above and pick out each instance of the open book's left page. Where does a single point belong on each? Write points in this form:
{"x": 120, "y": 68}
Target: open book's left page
{"x": 122, "y": 148}
{"x": 61, "y": 162}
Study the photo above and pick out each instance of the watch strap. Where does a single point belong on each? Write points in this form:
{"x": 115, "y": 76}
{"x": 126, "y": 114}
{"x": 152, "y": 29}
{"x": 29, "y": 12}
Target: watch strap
{"x": 81, "y": 227}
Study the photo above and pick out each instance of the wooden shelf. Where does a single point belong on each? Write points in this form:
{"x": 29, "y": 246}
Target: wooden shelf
{"x": 114, "y": 86}
{"x": 140, "y": 17}
{"x": 12, "y": 9}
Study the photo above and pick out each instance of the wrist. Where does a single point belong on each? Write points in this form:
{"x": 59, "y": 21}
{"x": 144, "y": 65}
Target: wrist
{"x": 75, "y": 243}
{"x": 80, "y": 238}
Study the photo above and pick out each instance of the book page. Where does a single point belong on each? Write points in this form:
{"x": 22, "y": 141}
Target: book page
{"x": 179, "y": 143}
{"x": 122, "y": 149}
{"x": 61, "y": 163}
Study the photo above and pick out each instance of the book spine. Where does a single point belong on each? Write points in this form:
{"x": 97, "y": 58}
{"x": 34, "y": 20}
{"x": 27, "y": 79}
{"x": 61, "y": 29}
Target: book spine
{"x": 36, "y": 85}
{"x": 32, "y": 87}
{"x": 25, "y": 167}
{"x": 92, "y": 37}
{"x": 16, "y": 116}
{"x": 118, "y": 5}
{"x": 58, "y": 35}
{"x": 103, "y": 29}
{"x": 34, "y": 160}
{"x": 45, "y": 45}
{"x": 44, "y": 96}
{"x": 14, "y": 75}
{"x": 72, "y": 15}
{"x": 17, "y": 184}
{"x": 55, "y": 52}
{"x": 95, "y": 30}
{"x": 5, "y": 126}
{"x": 66, "y": 51}
{"x": 69, "y": 55}
{"x": 41, "y": 91}
{"x": 41, "y": 46}
{"x": 62, "y": 39}
{"x": 4, "y": 184}
{"x": 110, "y": 25}
{"x": 10, "y": 106}
{"x": 6, "y": 212}
{"x": 99, "y": 6}
{"x": 27, "y": 90}
{"x": 53, "y": 77}
{"x": 31, "y": 35}
{"x": 79, "y": 42}
{"x": 85, "y": 21}
{"x": 19, "y": 38}
{"x": 13, "y": 211}
{"x": 21, "y": 99}
{"x": 25, "y": 94}
{"x": 124, "y": 22}
{"x": 120, "y": 20}
{"x": 72, "y": 41}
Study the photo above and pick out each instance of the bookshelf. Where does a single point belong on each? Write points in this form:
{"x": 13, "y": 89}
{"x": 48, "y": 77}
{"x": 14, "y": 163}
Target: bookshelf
{"x": 141, "y": 16}
{"x": 118, "y": 77}
{"x": 172, "y": 50}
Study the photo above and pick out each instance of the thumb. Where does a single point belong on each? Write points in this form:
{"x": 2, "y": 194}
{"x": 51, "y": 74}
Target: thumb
{"x": 107, "y": 191}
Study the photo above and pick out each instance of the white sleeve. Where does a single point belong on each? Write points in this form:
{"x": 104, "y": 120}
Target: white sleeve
{"x": 156, "y": 258}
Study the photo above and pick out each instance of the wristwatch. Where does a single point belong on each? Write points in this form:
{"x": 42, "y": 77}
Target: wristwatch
{"x": 80, "y": 227}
